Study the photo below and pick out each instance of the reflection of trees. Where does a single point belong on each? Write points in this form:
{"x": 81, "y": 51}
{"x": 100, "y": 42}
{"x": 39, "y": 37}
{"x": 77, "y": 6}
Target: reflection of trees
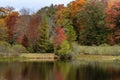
{"x": 10, "y": 70}
{"x": 94, "y": 72}
{"x": 9, "y": 75}
{"x": 58, "y": 71}
{"x": 61, "y": 70}
{"x": 26, "y": 71}
{"x": 37, "y": 71}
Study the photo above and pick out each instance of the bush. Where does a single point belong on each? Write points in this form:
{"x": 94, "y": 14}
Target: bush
{"x": 4, "y": 47}
{"x": 63, "y": 49}
{"x": 7, "y": 50}
{"x": 19, "y": 48}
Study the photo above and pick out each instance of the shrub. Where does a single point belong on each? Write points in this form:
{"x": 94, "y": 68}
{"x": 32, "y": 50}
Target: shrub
{"x": 4, "y": 46}
{"x": 7, "y": 50}
{"x": 19, "y": 48}
{"x": 63, "y": 49}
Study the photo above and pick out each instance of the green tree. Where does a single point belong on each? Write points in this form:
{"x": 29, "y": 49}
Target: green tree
{"x": 70, "y": 32}
{"x": 63, "y": 49}
{"x": 92, "y": 18}
{"x": 43, "y": 44}
{"x": 50, "y": 14}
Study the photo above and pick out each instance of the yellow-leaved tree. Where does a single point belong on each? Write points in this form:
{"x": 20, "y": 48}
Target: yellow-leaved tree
{"x": 3, "y": 30}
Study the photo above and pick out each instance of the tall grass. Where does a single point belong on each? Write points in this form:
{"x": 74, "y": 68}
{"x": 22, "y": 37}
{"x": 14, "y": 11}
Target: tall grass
{"x": 74, "y": 50}
{"x": 100, "y": 50}
{"x": 103, "y": 49}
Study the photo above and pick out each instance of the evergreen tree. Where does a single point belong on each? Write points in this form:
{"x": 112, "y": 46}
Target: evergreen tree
{"x": 44, "y": 44}
{"x": 70, "y": 32}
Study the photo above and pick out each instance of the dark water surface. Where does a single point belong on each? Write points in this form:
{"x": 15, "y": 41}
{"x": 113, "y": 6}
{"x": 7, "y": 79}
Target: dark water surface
{"x": 74, "y": 70}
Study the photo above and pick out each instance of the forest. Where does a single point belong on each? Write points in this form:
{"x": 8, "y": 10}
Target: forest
{"x": 60, "y": 29}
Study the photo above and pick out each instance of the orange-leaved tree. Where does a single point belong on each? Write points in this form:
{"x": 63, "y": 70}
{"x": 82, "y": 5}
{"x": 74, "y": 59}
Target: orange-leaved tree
{"x": 76, "y": 6}
{"x": 11, "y": 20}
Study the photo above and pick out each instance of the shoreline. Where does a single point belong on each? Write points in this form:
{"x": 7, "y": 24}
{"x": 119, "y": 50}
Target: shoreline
{"x": 103, "y": 58}
{"x": 30, "y": 57}
{"x": 52, "y": 57}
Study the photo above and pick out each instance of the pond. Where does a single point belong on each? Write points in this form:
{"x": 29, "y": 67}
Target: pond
{"x": 73, "y": 70}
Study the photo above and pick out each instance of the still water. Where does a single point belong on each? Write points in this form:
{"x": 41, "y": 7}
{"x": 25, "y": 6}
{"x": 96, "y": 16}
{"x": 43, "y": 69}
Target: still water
{"x": 74, "y": 70}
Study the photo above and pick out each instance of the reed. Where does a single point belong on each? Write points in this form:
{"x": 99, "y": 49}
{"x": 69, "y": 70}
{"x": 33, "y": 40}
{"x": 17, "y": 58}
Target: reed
{"x": 100, "y": 50}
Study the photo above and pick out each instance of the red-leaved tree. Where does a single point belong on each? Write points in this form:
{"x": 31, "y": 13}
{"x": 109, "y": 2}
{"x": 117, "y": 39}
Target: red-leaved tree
{"x": 60, "y": 35}
{"x": 32, "y": 31}
{"x": 113, "y": 22}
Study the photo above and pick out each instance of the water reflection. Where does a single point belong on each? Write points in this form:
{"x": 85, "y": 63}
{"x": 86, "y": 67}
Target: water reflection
{"x": 59, "y": 71}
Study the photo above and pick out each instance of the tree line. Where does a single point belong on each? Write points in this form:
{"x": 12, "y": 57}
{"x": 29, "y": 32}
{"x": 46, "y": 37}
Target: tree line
{"x": 54, "y": 28}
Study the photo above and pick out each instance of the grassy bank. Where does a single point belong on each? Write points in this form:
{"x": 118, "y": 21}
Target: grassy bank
{"x": 50, "y": 57}
{"x": 10, "y": 58}
{"x": 29, "y": 57}
{"x": 97, "y": 58}
{"x": 88, "y": 53}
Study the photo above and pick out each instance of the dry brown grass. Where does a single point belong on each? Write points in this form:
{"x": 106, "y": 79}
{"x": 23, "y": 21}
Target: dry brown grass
{"x": 38, "y": 57}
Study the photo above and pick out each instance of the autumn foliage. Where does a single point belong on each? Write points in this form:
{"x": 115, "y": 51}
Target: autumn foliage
{"x": 76, "y": 6}
{"x": 113, "y": 22}
{"x": 11, "y": 20}
{"x": 56, "y": 27}
{"x": 60, "y": 35}
{"x": 32, "y": 30}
